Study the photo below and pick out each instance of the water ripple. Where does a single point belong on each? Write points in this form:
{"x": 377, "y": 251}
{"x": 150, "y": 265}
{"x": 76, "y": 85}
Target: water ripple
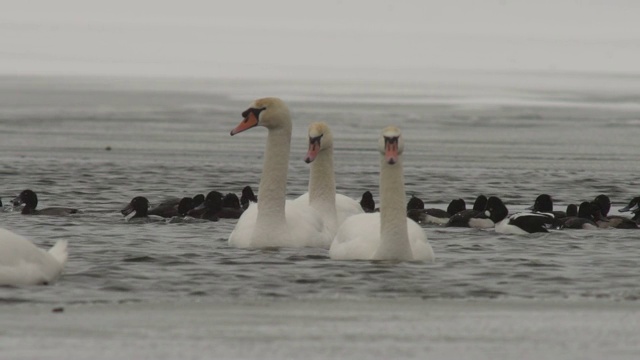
{"x": 171, "y": 147}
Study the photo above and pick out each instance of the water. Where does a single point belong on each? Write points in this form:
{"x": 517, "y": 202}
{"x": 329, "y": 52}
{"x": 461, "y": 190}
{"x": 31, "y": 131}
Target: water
{"x": 514, "y": 136}
{"x": 171, "y": 138}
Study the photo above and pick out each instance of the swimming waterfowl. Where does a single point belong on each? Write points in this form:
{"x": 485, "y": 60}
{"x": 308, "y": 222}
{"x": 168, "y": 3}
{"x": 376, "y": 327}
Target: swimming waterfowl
{"x": 334, "y": 208}
{"x": 584, "y": 220}
{"x": 634, "y": 204}
{"x": 367, "y": 203}
{"x": 463, "y": 218}
{"x": 166, "y": 209}
{"x": 23, "y": 263}
{"x": 247, "y": 197}
{"x": 572, "y": 210}
{"x": 210, "y": 209}
{"x": 544, "y": 204}
{"x": 30, "y": 201}
{"x": 274, "y": 221}
{"x": 231, "y": 208}
{"x": 138, "y": 207}
{"x": 417, "y": 212}
{"x": 603, "y": 204}
{"x": 388, "y": 234}
{"x": 519, "y": 223}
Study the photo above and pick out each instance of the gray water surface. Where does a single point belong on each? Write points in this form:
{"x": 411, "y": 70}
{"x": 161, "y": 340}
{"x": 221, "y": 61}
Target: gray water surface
{"x": 573, "y": 137}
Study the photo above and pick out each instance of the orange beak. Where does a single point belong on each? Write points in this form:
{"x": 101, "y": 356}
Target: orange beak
{"x": 314, "y": 148}
{"x": 391, "y": 152}
{"x": 250, "y": 121}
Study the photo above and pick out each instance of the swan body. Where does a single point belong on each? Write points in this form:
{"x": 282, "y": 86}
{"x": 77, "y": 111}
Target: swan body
{"x": 388, "y": 235}
{"x": 23, "y": 263}
{"x": 334, "y": 208}
{"x": 273, "y": 221}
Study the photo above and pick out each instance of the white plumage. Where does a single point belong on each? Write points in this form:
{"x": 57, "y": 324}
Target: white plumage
{"x": 388, "y": 235}
{"x": 334, "y": 208}
{"x": 273, "y": 221}
{"x": 23, "y": 263}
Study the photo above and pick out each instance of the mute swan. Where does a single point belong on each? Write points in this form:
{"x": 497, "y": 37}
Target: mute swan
{"x": 274, "y": 222}
{"x": 334, "y": 208}
{"x": 22, "y": 263}
{"x": 389, "y": 234}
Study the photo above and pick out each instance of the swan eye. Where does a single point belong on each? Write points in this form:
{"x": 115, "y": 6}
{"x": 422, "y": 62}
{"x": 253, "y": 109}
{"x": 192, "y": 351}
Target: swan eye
{"x": 255, "y": 111}
{"x": 390, "y": 140}
{"x": 315, "y": 140}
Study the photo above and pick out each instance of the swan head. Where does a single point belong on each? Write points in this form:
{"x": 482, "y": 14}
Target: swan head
{"x": 269, "y": 112}
{"x": 320, "y": 139}
{"x": 391, "y": 144}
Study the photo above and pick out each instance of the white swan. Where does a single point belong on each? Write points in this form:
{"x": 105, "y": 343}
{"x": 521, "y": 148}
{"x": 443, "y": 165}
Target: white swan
{"x": 274, "y": 222}
{"x": 22, "y": 263}
{"x": 334, "y": 208}
{"x": 388, "y": 235}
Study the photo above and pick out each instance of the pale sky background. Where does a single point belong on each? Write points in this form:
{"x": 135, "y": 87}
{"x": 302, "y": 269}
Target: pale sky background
{"x": 310, "y": 39}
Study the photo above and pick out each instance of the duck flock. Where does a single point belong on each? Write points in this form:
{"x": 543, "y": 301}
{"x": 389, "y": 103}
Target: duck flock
{"x": 349, "y": 229}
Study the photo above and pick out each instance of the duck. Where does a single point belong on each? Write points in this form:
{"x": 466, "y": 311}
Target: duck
{"x": 273, "y": 221}
{"x": 231, "y": 208}
{"x": 634, "y": 207}
{"x": 210, "y": 209}
{"x": 185, "y": 205}
{"x": 572, "y": 210}
{"x": 634, "y": 204}
{"x": 417, "y": 212}
{"x": 138, "y": 207}
{"x": 388, "y": 234}
{"x": 30, "y": 200}
{"x": 463, "y": 218}
{"x": 166, "y": 209}
{"x": 518, "y": 224}
{"x": 334, "y": 208}
{"x": 247, "y": 197}
{"x": 544, "y": 204}
{"x": 584, "y": 220}
{"x": 367, "y": 203}
{"x": 23, "y": 263}
{"x": 603, "y": 205}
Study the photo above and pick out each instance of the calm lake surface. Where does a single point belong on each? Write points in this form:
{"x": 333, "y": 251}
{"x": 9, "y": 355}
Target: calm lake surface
{"x": 516, "y": 137}
{"x": 168, "y": 289}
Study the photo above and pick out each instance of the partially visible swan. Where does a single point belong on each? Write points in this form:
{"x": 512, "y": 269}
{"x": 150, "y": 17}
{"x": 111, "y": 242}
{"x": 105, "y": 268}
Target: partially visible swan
{"x": 22, "y": 263}
{"x": 334, "y": 208}
{"x": 389, "y": 234}
{"x": 274, "y": 222}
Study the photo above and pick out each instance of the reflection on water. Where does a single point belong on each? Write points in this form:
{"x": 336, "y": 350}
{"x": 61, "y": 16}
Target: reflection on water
{"x": 171, "y": 138}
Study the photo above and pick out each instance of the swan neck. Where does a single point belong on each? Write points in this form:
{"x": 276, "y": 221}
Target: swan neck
{"x": 322, "y": 187}
{"x": 273, "y": 184}
{"x": 394, "y": 236}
